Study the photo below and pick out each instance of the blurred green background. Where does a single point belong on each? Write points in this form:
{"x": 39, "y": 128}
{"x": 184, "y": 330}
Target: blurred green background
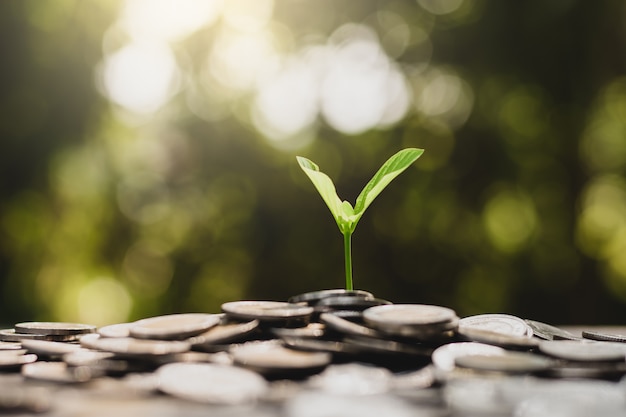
{"x": 148, "y": 147}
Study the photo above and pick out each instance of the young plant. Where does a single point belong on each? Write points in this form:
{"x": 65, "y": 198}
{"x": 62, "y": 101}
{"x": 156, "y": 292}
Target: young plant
{"x": 347, "y": 216}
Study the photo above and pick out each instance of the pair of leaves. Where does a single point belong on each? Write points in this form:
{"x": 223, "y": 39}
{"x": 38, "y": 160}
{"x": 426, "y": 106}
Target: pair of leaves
{"x": 345, "y": 215}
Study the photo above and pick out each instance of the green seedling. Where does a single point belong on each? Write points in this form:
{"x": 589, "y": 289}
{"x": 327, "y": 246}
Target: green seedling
{"x": 347, "y": 216}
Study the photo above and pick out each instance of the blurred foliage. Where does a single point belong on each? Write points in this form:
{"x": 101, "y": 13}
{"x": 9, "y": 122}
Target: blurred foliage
{"x": 148, "y": 154}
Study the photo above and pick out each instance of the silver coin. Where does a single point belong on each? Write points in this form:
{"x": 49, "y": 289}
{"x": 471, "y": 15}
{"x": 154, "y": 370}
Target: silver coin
{"x": 49, "y": 348}
{"x": 315, "y": 296}
{"x": 130, "y": 347}
{"x": 173, "y": 326}
{"x": 348, "y": 303}
{"x": 342, "y": 325}
{"x": 86, "y": 357}
{"x": 312, "y": 331}
{"x": 268, "y": 357}
{"x": 389, "y": 347}
{"x": 604, "y": 337}
{"x": 266, "y": 310}
{"x": 444, "y": 356}
{"x": 353, "y": 379}
{"x": 408, "y": 315}
{"x": 321, "y": 345}
{"x": 10, "y": 335}
{"x": 14, "y": 361}
{"x": 115, "y": 330}
{"x": 211, "y": 383}
{"x": 223, "y": 333}
{"x": 10, "y": 346}
{"x": 54, "y": 328}
{"x": 499, "y": 323}
{"x": 508, "y": 362}
{"x": 56, "y": 372}
{"x": 583, "y": 351}
{"x": 497, "y": 338}
{"x": 549, "y": 332}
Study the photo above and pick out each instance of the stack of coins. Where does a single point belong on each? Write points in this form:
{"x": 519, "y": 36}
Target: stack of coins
{"x": 328, "y": 340}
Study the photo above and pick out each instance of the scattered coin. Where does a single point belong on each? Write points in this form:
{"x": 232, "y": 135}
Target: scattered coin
{"x": 266, "y": 310}
{"x": 270, "y": 358}
{"x": 312, "y": 330}
{"x": 348, "y": 303}
{"x": 210, "y": 383}
{"x": 605, "y": 337}
{"x": 115, "y": 330}
{"x": 499, "y": 323}
{"x": 583, "y": 351}
{"x": 47, "y": 348}
{"x": 14, "y": 361}
{"x": 10, "y": 335}
{"x": 549, "y": 332}
{"x": 419, "y": 321}
{"x": 509, "y": 362}
{"x": 491, "y": 337}
{"x": 10, "y": 346}
{"x": 56, "y": 372}
{"x": 130, "y": 347}
{"x": 320, "y": 345}
{"x": 227, "y": 332}
{"x": 345, "y": 326}
{"x": 444, "y": 356}
{"x": 313, "y": 297}
{"x": 389, "y": 347}
{"x": 54, "y": 328}
{"x": 173, "y": 326}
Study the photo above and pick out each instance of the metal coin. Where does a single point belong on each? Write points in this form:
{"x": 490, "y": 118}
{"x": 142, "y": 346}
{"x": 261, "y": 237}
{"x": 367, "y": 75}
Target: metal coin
{"x": 368, "y": 344}
{"x": 496, "y": 338}
{"x": 604, "y": 337}
{"x": 266, "y": 310}
{"x": 315, "y": 296}
{"x": 10, "y": 335}
{"x": 312, "y": 331}
{"x": 583, "y": 351}
{"x": 321, "y": 345}
{"x": 211, "y": 383}
{"x": 54, "y": 328}
{"x": 224, "y": 333}
{"x": 56, "y": 372}
{"x": 509, "y": 362}
{"x": 129, "y": 347}
{"x": 579, "y": 370}
{"x": 268, "y": 357}
{"x": 10, "y": 346}
{"x": 344, "y": 326}
{"x": 499, "y": 323}
{"x": 106, "y": 363}
{"x": 408, "y": 315}
{"x": 444, "y": 356}
{"x": 174, "y": 326}
{"x": 49, "y": 348}
{"x": 353, "y": 379}
{"x": 348, "y": 303}
{"x": 13, "y": 361}
{"x": 115, "y": 330}
{"x": 549, "y": 332}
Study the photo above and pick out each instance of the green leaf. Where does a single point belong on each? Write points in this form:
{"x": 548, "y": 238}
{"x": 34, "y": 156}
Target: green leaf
{"x": 390, "y": 169}
{"x": 326, "y": 188}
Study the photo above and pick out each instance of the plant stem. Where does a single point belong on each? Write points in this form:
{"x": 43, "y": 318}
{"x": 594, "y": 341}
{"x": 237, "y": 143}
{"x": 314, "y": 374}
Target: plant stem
{"x": 347, "y": 250}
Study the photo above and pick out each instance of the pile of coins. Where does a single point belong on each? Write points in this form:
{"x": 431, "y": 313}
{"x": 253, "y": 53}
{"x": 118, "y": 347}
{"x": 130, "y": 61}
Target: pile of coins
{"x": 346, "y": 347}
